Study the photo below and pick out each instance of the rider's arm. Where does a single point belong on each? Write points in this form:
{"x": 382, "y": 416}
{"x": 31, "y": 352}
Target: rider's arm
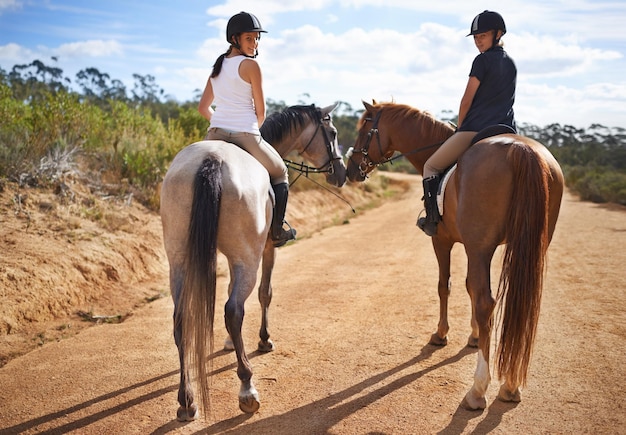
{"x": 251, "y": 72}
{"x": 466, "y": 101}
{"x": 204, "y": 107}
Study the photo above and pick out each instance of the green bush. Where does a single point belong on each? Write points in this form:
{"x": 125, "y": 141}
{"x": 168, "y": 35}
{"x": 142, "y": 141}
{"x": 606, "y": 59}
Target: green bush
{"x": 599, "y": 184}
{"x": 14, "y": 132}
{"x": 47, "y": 130}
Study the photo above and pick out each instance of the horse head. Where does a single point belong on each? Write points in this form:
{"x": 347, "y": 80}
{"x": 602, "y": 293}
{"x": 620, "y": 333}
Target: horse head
{"x": 337, "y": 173}
{"x": 322, "y": 149}
{"x": 371, "y": 148}
{"x": 309, "y": 131}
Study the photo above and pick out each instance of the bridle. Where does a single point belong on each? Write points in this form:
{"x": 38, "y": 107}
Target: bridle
{"x": 367, "y": 164}
{"x": 367, "y": 161}
{"x": 326, "y": 167}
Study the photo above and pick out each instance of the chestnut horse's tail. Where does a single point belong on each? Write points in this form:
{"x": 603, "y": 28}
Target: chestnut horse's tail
{"x": 197, "y": 304}
{"x": 521, "y": 281}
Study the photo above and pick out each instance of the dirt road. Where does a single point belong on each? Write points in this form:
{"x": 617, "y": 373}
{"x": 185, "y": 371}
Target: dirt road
{"x": 353, "y": 309}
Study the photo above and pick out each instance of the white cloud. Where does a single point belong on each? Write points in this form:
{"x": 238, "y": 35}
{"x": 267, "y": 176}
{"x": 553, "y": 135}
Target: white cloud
{"x": 15, "y": 53}
{"x": 93, "y": 48}
{"x": 537, "y": 104}
{"x": 426, "y": 68}
{"x": 9, "y": 5}
{"x": 548, "y": 56}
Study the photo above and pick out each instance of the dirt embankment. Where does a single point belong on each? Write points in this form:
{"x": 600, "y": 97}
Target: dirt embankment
{"x": 70, "y": 257}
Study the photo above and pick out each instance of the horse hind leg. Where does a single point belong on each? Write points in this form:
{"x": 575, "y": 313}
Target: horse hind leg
{"x": 243, "y": 284}
{"x": 188, "y": 410}
{"x": 509, "y": 393}
{"x": 476, "y": 396}
{"x": 483, "y": 305}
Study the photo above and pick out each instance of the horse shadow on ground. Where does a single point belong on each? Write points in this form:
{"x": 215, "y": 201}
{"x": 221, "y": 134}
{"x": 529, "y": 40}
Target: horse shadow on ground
{"x": 65, "y": 414}
{"x": 493, "y": 419}
{"x": 325, "y": 412}
{"x": 330, "y": 410}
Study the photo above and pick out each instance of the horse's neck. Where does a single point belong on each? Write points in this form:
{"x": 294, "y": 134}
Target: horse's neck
{"x": 419, "y": 134}
{"x": 286, "y": 145}
{"x": 291, "y": 141}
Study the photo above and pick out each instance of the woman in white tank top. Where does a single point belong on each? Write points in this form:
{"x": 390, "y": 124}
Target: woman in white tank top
{"x": 235, "y": 86}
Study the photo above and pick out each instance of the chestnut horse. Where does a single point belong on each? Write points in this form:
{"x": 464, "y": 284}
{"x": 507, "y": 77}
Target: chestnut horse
{"x": 506, "y": 189}
{"x": 216, "y": 196}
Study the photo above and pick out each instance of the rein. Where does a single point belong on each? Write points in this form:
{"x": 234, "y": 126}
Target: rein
{"x": 304, "y": 169}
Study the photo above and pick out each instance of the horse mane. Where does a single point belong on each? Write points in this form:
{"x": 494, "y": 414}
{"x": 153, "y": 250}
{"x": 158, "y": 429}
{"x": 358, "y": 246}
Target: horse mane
{"x": 429, "y": 126}
{"x": 279, "y": 124}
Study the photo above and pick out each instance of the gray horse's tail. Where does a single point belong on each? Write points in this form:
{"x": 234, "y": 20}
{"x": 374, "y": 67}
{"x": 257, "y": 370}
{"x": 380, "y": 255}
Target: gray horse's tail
{"x": 198, "y": 294}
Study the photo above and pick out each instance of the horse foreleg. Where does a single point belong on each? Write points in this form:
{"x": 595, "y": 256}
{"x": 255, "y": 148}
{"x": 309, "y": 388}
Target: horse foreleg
{"x": 233, "y": 315}
{"x": 482, "y": 308}
{"x": 472, "y": 340}
{"x": 265, "y": 296}
{"x": 442, "y": 251}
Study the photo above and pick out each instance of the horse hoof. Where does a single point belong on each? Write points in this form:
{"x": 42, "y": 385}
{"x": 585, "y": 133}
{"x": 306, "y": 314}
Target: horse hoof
{"x": 472, "y": 403}
{"x": 249, "y": 405}
{"x": 266, "y": 346}
{"x": 228, "y": 345}
{"x": 509, "y": 396}
{"x": 187, "y": 414}
{"x": 472, "y": 342}
{"x": 438, "y": 341}
{"x": 249, "y": 401}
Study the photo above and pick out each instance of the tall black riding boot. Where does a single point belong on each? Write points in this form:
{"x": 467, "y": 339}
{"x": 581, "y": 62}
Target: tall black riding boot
{"x": 429, "y": 223}
{"x": 280, "y": 236}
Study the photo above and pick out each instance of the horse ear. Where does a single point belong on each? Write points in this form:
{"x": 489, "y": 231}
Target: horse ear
{"x": 328, "y": 109}
{"x": 368, "y": 106}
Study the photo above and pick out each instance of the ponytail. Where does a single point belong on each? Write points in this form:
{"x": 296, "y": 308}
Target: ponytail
{"x": 217, "y": 67}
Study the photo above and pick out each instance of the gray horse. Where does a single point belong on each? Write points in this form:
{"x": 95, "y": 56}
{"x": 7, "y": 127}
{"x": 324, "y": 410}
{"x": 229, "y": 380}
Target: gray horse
{"x": 215, "y": 196}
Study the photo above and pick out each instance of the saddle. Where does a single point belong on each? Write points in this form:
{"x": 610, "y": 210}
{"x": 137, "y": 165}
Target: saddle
{"x": 492, "y": 130}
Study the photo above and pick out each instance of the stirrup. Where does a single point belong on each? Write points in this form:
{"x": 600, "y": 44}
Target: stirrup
{"x": 284, "y": 236}
{"x": 427, "y": 225}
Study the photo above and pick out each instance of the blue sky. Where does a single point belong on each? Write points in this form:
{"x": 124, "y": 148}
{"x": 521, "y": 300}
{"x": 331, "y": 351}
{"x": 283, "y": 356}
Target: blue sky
{"x": 570, "y": 54}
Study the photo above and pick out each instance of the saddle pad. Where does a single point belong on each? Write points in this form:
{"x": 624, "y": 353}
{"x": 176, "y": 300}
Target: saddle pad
{"x": 442, "y": 188}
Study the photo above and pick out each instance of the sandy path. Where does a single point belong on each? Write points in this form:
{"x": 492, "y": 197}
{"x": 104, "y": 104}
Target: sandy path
{"x": 354, "y": 307}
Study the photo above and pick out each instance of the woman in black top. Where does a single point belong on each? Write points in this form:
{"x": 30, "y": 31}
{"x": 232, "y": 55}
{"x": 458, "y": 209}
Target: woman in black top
{"x": 488, "y": 100}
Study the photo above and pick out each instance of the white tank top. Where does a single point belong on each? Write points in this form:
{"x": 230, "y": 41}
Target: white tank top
{"x": 234, "y": 106}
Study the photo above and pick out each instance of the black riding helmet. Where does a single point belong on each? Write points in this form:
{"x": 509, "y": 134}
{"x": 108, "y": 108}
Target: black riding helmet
{"x": 486, "y": 21}
{"x": 241, "y": 23}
